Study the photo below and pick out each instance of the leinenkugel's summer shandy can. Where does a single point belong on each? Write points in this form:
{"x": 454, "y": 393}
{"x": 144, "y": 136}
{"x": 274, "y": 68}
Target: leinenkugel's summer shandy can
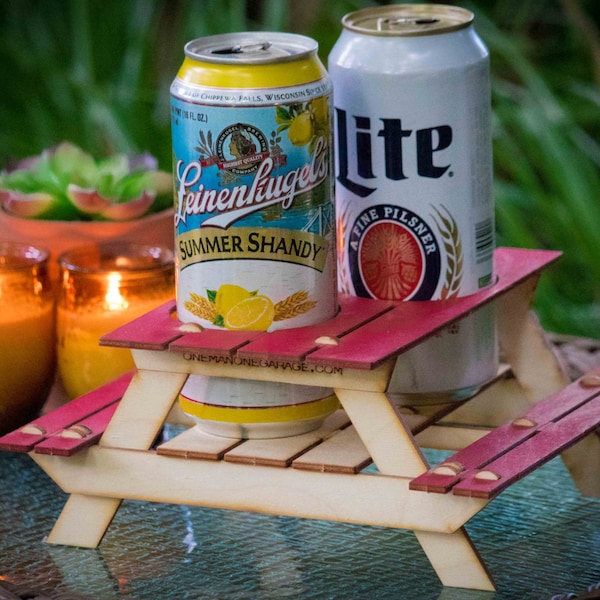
{"x": 254, "y": 213}
{"x": 414, "y": 182}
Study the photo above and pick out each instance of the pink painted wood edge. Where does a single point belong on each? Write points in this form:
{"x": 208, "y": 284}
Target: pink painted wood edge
{"x": 67, "y": 446}
{"x": 409, "y": 323}
{"x": 66, "y": 415}
{"x": 505, "y": 443}
{"x": 214, "y": 341}
{"x": 536, "y": 450}
{"x": 362, "y": 343}
{"x": 296, "y": 344}
{"x": 152, "y": 331}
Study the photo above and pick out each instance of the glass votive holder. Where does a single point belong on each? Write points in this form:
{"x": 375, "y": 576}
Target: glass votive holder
{"x": 27, "y": 333}
{"x": 101, "y": 288}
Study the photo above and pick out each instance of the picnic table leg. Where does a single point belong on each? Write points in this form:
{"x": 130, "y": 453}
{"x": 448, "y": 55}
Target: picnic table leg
{"x": 455, "y": 559}
{"x": 381, "y": 429}
{"x": 583, "y": 463}
{"x": 395, "y": 452}
{"x": 75, "y": 525}
{"x": 143, "y": 409}
{"x": 539, "y": 374}
{"x": 524, "y": 346}
{"x": 151, "y": 394}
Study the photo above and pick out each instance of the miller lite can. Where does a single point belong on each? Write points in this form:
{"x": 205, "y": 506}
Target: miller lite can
{"x": 414, "y": 205}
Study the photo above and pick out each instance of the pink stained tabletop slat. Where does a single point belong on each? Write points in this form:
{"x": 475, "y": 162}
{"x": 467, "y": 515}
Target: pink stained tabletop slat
{"x": 66, "y": 415}
{"x": 214, "y": 341}
{"x": 506, "y": 437}
{"x": 409, "y": 323}
{"x": 535, "y": 451}
{"x": 295, "y": 344}
{"x": 361, "y": 345}
{"x": 152, "y": 331}
{"x": 58, "y": 445}
{"x": 494, "y": 444}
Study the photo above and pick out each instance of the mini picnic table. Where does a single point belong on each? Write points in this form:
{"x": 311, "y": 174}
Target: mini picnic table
{"x": 101, "y": 448}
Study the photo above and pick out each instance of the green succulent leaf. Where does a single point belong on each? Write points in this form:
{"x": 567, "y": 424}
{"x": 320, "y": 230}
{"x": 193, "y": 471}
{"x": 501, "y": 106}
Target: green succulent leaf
{"x": 113, "y": 178}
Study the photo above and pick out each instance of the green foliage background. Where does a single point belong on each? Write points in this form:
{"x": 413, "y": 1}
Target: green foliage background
{"x": 97, "y": 73}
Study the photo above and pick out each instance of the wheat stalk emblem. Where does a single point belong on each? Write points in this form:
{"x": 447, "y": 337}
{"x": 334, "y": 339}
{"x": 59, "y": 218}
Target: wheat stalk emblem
{"x": 343, "y": 275}
{"x": 206, "y": 146}
{"x": 452, "y": 242}
{"x": 201, "y": 307}
{"x": 205, "y": 308}
{"x": 292, "y": 306}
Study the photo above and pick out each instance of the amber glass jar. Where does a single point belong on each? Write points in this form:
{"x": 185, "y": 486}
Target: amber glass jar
{"x": 27, "y": 333}
{"x": 101, "y": 288}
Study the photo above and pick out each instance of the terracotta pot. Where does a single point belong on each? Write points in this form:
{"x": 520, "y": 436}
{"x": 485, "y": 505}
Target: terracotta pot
{"x": 59, "y": 236}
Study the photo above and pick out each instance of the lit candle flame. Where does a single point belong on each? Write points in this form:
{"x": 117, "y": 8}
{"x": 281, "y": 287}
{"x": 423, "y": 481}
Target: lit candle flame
{"x": 113, "y": 300}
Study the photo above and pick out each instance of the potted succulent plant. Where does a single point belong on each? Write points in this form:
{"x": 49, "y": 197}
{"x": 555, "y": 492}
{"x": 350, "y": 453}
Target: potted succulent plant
{"x": 64, "y": 197}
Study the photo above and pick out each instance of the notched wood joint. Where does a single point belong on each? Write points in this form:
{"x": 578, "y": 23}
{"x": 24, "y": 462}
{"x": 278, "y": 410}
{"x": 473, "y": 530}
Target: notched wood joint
{"x": 524, "y": 422}
{"x": 33, "y": 429}
{"x": 327, "y": 340}
{"x": 76, "y": 432}
{"x": 590, "y": 380}
{"x": 448, "y": 468}
{"x": 487, "y": 476}
{"x": 190, "y": 328}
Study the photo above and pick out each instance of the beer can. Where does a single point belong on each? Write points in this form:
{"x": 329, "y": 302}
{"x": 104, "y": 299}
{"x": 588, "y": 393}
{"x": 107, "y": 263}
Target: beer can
{"x": 251, "y": 117}
{"x": 254, "y": 212}
{"x": 238, "y": 408}
{"x": 414, "y": 200}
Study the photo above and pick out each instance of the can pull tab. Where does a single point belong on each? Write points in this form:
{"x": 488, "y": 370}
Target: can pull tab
{"x": 389, "y": 24}
{"x": 244, "y": 48}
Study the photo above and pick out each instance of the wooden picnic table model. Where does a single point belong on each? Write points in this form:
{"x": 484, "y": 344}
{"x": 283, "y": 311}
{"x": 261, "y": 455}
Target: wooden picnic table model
{"x": 101, "y": 447}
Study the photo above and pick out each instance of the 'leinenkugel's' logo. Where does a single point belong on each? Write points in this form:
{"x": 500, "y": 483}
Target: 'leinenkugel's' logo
{"x": 241, "y": 147}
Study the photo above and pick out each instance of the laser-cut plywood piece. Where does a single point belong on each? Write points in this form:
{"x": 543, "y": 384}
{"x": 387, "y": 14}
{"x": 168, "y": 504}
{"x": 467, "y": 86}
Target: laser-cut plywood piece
{"x": 319, "y": 475}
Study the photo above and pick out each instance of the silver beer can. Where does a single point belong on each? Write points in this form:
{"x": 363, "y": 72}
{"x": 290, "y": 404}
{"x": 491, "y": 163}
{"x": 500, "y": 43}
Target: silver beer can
{"x": 414, "y": 203}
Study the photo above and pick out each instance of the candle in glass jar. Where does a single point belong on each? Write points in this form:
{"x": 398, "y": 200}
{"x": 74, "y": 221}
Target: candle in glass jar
{"x": 102, "y": 288}
{"x": 27, "y": 333}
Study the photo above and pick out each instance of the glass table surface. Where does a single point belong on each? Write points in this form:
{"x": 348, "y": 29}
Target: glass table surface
{"x": 538, "y": 538}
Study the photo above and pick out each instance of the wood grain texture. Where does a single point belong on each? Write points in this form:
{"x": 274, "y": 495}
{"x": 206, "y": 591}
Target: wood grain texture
{"x": 74, "y": 527}
{"x": 343, "y": 452}
{"x": 354, "y": 354}
{"x": 282, "y": 452}
{"x": 82, "y": 434}
{"x": 143, "y": 475}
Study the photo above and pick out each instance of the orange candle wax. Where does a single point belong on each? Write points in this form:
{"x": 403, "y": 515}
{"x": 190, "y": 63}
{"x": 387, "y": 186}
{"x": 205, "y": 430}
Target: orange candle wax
{"x": 27, "y": 333}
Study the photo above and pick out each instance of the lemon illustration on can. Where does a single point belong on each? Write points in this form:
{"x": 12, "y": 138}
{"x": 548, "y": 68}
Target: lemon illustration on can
{"x": 228, "y": 295}
{"x": 300, "y": 131}
{"x": 236, "y": 308}
{"x": 255, "y": 313}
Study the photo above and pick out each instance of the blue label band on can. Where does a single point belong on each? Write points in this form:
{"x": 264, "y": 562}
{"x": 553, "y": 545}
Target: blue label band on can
{"x": 254, "y": 212}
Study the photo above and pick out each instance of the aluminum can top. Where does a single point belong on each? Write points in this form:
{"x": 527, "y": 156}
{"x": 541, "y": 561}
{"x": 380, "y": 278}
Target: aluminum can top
{"x": 251, "y": 48}
{"x": 408, "y": 20}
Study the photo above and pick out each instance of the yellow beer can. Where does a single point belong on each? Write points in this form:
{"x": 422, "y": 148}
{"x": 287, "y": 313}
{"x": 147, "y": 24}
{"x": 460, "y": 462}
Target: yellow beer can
{"x": 251, "y": 117}
{"x": 254, "y": 213}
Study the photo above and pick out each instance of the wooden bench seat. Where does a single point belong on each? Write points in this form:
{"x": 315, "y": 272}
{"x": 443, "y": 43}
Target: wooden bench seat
{"x": 482, "y": 469}
{"x": 489, "y": 465}
{"x": 328, "y": 448}
{"x": 71, "y": 427}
